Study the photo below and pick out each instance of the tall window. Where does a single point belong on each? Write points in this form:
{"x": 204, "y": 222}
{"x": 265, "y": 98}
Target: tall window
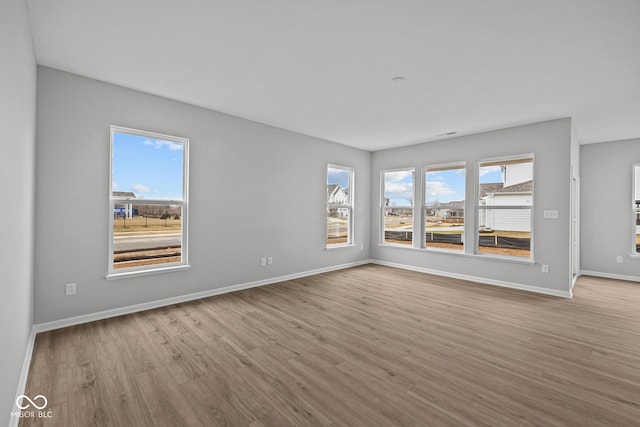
{"x": 444, "y": 206}
{"x": 148, "y": 201}
{"x": 397, "y": 206}
{"x": 505, "y": 206}
{"x": 339, "y": 205}
{"x": 636, "y": 208}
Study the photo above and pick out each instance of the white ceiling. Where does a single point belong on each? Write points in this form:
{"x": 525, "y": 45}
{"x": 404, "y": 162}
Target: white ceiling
{"x": 324, "y": 67}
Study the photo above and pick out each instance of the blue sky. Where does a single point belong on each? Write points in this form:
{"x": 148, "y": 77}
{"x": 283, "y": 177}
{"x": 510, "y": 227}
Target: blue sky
{"x": 398, "y": 187}
{"x": 338, "y": 176}
{"x": 445, "y": 186}
{"x": 151, "y": 168}
{"x": 490, "y": 174}
{"x": 442, "y": 186}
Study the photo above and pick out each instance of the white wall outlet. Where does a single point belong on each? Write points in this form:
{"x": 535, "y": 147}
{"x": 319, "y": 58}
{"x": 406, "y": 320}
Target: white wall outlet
{"x": 545, "y": 268}
{"x": 551, "y": 214}
{"x": 619, "y": 259}
{"x": 263, "y": 261}
{"x": 270, "y": 260}
{"x": 70, "y": 289}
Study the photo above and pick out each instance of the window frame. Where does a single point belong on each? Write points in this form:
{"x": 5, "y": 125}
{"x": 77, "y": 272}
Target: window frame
{"x": 183, "y": 264}
{"x": 635, "y": 209}
{"x": 478, "y": 207}
{"x": 349, "y": 206}
{"x": 382, "y": 239}
{"x": 435, "y": 167}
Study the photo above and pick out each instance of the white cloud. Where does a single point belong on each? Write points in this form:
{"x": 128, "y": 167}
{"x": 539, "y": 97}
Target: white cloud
{"x": 438, "y": 188}
{"x": 114, "y": 184}
{"x": 399, "y": 191}
{"x": 488, "y": 169}
{"x": 141, "y": 188}
{"x": 397, "y": 176}
{"x": 158, "y": 144}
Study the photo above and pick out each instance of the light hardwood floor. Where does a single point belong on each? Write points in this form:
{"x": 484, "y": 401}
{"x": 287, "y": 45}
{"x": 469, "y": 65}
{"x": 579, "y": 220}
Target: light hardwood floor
{"x": 367, "y": 346}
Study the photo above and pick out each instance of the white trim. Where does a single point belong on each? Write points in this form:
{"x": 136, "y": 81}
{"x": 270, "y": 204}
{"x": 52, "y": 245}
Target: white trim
{"x": 85, "y": 318}
{"x": 478, "y": 208}
{"x": 476, "y": 279}
{"x": 351, "y": 206}
{"x": 610, "y": 275}
{"x": 24, "y": 374}
{"x": 575, "y": 279}
{"x": 339, "y": 246}
{"x": 184, "y": 202}
{"x": 134, "y": 273}
{"x": 501, "y": 258}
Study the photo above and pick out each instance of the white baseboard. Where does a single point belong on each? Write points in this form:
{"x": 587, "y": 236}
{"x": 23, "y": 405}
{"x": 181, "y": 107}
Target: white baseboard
{"x": 24, "y": 374}
{"x": 575, "y": 279}
{"x": 85, "y": 318}
{"x": 476, "y": 279}
{"x": 610, "y": 275}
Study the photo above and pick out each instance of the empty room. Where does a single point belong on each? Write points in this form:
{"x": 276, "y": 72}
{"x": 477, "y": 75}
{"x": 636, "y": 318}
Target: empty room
{"x": 320, "y": 213}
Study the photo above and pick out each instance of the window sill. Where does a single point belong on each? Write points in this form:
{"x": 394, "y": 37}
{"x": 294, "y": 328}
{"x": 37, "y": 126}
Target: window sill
{"x": 525, "y": 261}
{"x": 340, "y": 246}
{"x": 636, "y": 256}
{"x": 129, "y": 274}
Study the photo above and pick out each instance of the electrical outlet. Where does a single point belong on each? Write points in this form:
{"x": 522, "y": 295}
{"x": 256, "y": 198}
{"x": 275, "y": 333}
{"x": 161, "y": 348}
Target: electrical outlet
{"x": 263, "y": 261}
{"x": 619, "y": 259}
{"x": 70, "y": 289}
{"x": 545, "y": 268}
{"x": 270, "y": 260}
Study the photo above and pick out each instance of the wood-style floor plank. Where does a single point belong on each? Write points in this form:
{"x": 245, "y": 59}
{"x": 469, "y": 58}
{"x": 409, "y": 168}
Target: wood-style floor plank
{"x": 366, "y": 346}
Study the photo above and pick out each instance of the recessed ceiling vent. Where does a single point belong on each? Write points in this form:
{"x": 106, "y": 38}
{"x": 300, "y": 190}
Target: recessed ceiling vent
{"x": 447, "y": 133}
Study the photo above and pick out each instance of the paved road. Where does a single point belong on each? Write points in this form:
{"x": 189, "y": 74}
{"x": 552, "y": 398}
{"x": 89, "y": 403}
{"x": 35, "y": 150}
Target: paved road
{"x": 138, "y": 242}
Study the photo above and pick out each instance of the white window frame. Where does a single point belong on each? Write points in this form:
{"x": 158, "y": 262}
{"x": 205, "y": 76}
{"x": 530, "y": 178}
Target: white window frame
{"x": 349, "y": 206}
{"x": 504, "y": 159}
{"x": 158, "y": 268}
{"x": 635, "y": 208}
{"x": 423, "y": 227}
{"x": 382, "y": 240}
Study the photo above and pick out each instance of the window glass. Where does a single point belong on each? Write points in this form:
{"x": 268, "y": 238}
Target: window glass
{"x": 148, "y": 200}
{"x": 397, "y": 209}
{"x": 339, "y": 205}
{"x": 505, "y": 203}
{"x": 444, "y": 207}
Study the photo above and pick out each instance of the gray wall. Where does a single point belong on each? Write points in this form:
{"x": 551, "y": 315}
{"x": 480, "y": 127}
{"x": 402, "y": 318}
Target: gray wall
{"x": 255, "y": 191}
{"x": 550, "y": 142}
{"x": 606, "y": 202}
{"x": 17, "y": 142}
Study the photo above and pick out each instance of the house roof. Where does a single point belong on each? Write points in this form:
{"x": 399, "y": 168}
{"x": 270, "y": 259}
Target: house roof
{"x": 333, "y": 189}
{"x": 124, "y": 194}
{"x": 490, "y": 187}
{"x": 521, "y": 187}
{"x": 447, "y": 205}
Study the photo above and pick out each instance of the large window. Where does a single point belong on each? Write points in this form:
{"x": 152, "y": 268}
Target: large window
{"x": 397, "y": 206}
{"x": 636, "y": 209}
{"x": 505, "y": 206}
{"x": 339, "y": 206}
{"x": 444, "y": 206}
{"x": 148, "y": 202}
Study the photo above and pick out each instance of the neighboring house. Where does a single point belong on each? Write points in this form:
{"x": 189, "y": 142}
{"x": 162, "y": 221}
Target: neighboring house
{"x": 516, "y": 190}
{"x": 123, "y": 209}
{"x": 448, "y": 210}
{"x": 336, "y": 195}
